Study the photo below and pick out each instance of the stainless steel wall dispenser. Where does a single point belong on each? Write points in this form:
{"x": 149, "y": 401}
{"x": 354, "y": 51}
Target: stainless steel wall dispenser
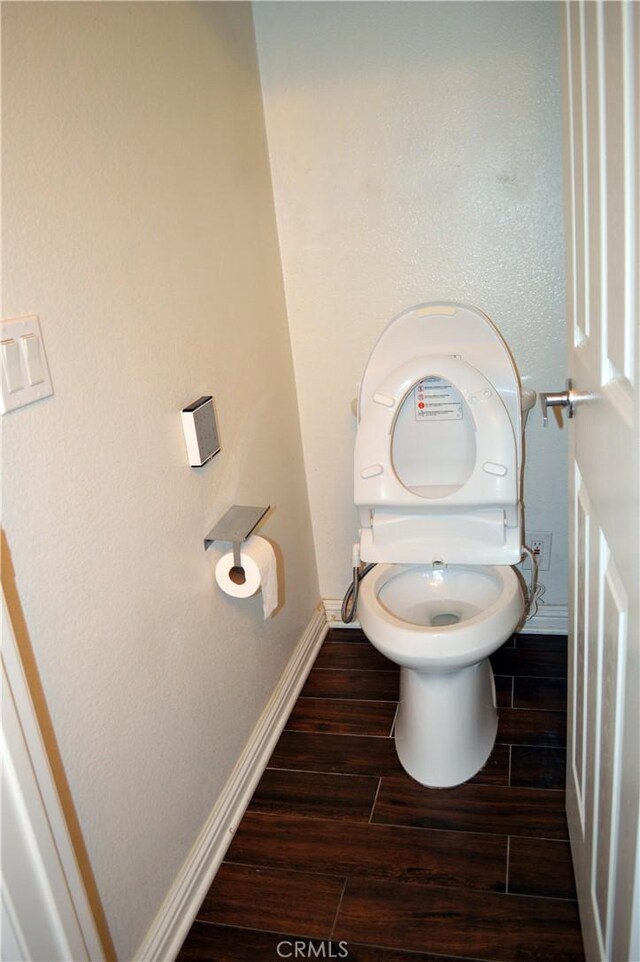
{"x": 236, "y": 526}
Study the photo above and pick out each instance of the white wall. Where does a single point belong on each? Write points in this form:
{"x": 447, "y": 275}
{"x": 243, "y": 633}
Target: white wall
{"x": 415, "y": 154}
{"x": 138, "y": 223}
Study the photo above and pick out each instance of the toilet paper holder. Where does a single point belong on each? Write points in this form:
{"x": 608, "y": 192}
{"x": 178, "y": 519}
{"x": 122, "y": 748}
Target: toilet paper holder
{"x": 236, "y": 526}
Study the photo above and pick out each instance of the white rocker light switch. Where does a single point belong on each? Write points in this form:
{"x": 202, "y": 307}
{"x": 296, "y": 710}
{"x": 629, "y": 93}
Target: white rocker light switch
{"x": 25, "y": 372}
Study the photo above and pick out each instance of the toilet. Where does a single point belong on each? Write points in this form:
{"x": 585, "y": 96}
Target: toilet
{"x": 438, "y": 487}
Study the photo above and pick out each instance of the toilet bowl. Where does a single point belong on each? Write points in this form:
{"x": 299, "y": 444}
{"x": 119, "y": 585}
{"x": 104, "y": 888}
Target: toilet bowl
{"x": 440, "y": 624}
{"x": 439, "y": 618}
{"x": 437, "y": 481}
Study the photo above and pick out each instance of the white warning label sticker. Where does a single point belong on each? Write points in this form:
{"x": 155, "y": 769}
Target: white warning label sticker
{"x": 437, "y": 400}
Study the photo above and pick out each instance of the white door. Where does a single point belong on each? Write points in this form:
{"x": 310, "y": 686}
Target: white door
{"x": 602, "y": 45}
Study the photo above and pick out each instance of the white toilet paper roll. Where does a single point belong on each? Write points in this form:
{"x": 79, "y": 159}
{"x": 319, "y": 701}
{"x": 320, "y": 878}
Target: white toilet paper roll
{"x": 257, "y": 571}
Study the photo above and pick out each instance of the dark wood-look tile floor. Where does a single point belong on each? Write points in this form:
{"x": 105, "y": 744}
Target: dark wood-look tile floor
{"x": 342, "y": 855}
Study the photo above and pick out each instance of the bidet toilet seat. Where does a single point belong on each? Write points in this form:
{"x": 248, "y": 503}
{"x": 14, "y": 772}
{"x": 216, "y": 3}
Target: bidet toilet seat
{"x": 493, "y": 479}
{"x": 391, "y": 595}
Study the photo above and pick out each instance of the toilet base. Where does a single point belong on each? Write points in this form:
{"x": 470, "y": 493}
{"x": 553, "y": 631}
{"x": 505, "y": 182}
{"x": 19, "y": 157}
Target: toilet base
{"x": 447, "y": 723}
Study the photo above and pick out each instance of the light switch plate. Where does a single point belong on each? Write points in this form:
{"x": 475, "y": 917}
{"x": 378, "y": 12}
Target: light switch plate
{"x": 27, "y": 378}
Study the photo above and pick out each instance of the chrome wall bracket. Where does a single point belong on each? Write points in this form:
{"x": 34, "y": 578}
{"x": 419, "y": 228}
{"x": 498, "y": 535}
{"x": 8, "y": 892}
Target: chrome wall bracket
{"x": 236, "y": 526}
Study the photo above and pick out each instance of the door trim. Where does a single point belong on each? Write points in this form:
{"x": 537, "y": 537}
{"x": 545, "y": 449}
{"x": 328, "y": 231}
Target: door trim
{"x": 39, "y": 866}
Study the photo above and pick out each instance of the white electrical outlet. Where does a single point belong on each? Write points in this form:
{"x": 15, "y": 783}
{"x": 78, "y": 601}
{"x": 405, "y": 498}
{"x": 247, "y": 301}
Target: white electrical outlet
{"x": 540, "y": 544}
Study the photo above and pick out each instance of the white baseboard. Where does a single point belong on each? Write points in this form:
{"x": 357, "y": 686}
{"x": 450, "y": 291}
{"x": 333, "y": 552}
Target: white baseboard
{"x": 333, "y": 610}
{"x": 550, "y": 619}
{"x": 172, "y": 923}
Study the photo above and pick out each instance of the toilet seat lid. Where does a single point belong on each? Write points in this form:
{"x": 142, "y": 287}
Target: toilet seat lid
{"x": 446, "y": 329}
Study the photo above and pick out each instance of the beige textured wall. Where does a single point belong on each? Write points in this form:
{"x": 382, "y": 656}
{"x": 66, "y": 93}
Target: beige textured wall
{"x": 416, "y": 155}
{"x": 138, "y": 223}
